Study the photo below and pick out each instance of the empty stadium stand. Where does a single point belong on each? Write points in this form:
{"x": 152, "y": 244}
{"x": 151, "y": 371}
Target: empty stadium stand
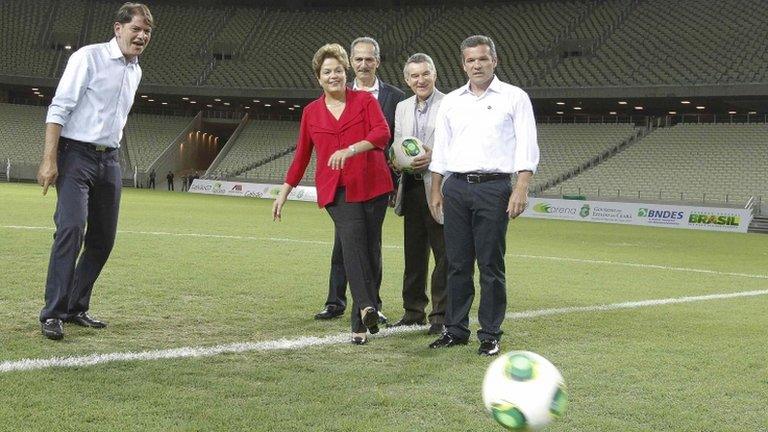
{"x": 147, "y": 135}
{"x": 540, "y": 43}
{"x": 565, "y": 147}
{"x": 554, "y": 46}
{"x": 22, "y": 135}
{"x": 259, "y": 142}
{"x": 686, "y": 162}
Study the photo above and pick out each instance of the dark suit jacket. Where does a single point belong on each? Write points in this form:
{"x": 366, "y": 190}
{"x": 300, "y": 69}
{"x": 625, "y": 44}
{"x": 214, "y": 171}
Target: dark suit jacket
{"x": 366, "y": 175}
{"x": 389, "y": 97}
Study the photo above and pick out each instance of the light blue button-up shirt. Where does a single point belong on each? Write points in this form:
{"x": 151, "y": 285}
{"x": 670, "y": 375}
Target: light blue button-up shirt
{"x": 95, "y": 94}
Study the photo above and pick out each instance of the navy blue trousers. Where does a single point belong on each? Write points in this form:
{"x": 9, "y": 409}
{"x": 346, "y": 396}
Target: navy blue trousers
{"x": 88, "y": 200}
{"x": 475, "y": 229}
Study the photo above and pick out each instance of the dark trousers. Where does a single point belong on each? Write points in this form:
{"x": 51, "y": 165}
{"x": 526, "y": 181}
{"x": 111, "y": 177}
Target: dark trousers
{"x": 88, "y": 200}
{"x": 475, "y": 229}
{"x": 422, "y": 233}
{"x": 337, "y": 281}
{"x": 151, "y": 183}
{"x": 358, "y": 226}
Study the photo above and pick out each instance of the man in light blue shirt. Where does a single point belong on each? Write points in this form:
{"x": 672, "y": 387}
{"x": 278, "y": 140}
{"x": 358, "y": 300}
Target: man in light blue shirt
{"x": 84, "y": 127}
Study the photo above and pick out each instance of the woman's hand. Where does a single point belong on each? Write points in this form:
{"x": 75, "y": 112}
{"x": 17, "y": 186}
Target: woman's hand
{"x": 337, "y": 159}
{"x": 277, "y": 206}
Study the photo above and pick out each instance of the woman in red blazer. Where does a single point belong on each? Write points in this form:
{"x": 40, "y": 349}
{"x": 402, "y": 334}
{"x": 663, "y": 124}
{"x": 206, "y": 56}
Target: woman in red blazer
{"x": 348, "y": 132}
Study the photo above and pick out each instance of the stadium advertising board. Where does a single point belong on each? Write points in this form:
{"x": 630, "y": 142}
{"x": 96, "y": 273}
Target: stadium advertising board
{"x": 669, "y": 216}
{"x": 250, "y": 190}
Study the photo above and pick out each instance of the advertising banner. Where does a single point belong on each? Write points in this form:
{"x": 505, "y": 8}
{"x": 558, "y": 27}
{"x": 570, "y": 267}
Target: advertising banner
{"x": 659, "y": 215}
{"x": 251, "y": 190}
{"x": 668, "y": 216}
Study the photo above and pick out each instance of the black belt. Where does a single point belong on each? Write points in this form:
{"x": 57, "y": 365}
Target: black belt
{"x": 481, "y": 177}
{"x": 414, "y": 176}
{"x": 95, "y": 147}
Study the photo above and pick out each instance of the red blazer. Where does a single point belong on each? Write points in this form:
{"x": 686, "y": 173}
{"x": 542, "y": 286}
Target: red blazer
{"x": 366, "y": 175}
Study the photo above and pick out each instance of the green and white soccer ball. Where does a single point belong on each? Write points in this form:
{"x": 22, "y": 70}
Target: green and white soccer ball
{"x": 403, "y": 152}
{"x": 523, "y": 391}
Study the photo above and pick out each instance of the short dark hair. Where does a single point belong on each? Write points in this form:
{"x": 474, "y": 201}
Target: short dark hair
{"x": 478, "y": 40}
{"x": 128, "y": 10}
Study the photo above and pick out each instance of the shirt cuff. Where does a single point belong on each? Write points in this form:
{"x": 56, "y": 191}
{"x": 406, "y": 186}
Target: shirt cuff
{"x": 57, "y": 116}
{"x": 531, "y": 168}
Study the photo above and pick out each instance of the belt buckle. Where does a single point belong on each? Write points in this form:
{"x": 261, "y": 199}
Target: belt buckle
{"x": 100, "y": 148}
{"x": 473, "y": 178}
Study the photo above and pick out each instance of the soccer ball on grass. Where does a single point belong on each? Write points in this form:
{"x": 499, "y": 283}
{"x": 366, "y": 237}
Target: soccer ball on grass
{"x": 524, "y": 391}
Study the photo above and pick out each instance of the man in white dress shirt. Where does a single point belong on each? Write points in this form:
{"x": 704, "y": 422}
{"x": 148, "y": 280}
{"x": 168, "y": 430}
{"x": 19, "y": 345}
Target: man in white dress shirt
{"x": 485, "y": 132}
{"x": 83, "y": 130}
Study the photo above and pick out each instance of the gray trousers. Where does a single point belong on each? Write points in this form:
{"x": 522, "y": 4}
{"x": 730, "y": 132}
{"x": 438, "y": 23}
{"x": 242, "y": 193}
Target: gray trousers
{"x": 88, "y": 200}
{"x": 475, "y": 230}
{"x": 421, "y": 233}
{"x": 358, "y": 226}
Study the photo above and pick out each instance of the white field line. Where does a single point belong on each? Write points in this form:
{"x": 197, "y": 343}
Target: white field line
{"x": 310, "y": 341}
{"x": 327, "y": 243}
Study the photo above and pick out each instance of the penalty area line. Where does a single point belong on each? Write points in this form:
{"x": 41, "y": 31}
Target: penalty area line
{"x": 313, "y": 341}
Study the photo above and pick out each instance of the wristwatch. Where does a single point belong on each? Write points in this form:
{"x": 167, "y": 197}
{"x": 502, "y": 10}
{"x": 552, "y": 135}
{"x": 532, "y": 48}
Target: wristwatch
{"x": 352, "y": 149}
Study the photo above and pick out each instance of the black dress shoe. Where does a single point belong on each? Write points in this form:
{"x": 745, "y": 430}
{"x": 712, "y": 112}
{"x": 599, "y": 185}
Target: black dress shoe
{"x": 52, "y": 329}
{"x": 82, "y": 319}
{"x": 329, "y": 312}
{"x": 488, "y": 347}
{"x": 370, "y": 319}
{"x": 435, "y": 329}
{"x": 447, "y": 340}
{"x": 383, "y": 320}
{"x": 406, "y": 322}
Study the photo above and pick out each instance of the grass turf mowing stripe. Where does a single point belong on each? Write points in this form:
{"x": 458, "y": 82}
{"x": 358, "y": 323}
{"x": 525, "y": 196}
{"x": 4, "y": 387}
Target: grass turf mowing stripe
{"x": 311, "y": 341}
{"x": 327, "y": 243}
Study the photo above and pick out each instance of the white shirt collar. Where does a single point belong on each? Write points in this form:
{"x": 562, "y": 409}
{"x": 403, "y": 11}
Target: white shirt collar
{"x": 374, "y": 89}
{"x": 115, "y": 53}
{"x": 494, "y": 86}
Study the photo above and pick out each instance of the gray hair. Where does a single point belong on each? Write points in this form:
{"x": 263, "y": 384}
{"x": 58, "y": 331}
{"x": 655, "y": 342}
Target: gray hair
{"x": 366, "y": 39}
{"x": 478, "y": 40}
{"x": 419, "y": 58}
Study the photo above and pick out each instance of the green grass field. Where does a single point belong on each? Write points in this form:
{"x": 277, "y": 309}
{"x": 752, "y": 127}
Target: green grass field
{"x": 200, "y": 271}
